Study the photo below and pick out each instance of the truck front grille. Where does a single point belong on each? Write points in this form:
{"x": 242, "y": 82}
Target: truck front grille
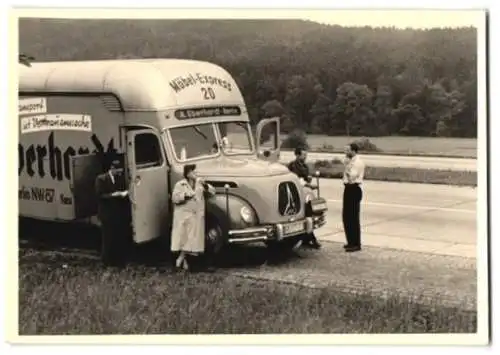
{"x": 288, "y": 199}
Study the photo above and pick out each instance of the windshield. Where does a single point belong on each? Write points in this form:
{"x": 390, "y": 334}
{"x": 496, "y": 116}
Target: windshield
{"x": 194, "y": 141}
{"x": 197, "y": 141}
{"x": 236, "y": 137}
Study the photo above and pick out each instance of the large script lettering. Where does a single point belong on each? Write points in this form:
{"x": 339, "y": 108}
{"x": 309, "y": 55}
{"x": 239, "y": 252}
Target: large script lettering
{"x": 182, "y": 82}
{"x": 32, "y": 158}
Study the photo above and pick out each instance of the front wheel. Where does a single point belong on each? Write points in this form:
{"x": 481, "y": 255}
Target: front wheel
{"x": 215, "y": 236}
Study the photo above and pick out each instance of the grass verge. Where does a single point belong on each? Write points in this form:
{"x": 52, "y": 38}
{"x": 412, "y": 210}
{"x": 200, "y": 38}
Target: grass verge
{"x": 393, "y": 145}
{"x": 333, "y": 169}
{"x": 63, "y": 296}
{"x": 401, "y": 154}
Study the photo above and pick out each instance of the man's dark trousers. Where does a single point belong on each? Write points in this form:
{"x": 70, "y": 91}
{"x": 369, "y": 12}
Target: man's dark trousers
{"x": 350, "y": 214}
{"x": 115, "y": 216}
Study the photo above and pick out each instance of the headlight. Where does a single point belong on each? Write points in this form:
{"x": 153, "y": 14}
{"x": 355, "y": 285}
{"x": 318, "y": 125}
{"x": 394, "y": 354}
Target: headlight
{"x": 308, "y": 198}
{"x": 246, "y": 214}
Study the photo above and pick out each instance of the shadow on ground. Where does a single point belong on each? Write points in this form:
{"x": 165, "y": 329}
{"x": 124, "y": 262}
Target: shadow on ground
{"x": 67, "y": 238}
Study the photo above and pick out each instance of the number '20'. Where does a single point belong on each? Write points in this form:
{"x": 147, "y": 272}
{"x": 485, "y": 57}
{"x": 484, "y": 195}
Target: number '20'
{"x": 208, "y": 93}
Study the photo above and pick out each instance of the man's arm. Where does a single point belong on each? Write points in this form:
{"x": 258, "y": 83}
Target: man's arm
{"x": 308, "y": 178}
{"x": 103, "y": 191}
{"x": 120, "y": 193}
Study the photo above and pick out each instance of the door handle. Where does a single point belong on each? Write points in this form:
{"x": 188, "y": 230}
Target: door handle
{"x": 137, "y": 180}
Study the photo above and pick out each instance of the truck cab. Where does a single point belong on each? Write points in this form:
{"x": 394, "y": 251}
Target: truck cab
{"x": 258, "y": 199}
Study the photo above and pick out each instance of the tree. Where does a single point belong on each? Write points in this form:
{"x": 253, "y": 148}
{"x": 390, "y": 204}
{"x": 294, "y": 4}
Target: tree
{"x": 302, "y": 92}
{"x": 353, "y": 108}
{"x": 272, "y": 108}
{"x": 437, "y": 111}
{"x": 410, "y": 118}
{"x": 321, "y": 115}
{"x": 383, "y": 109}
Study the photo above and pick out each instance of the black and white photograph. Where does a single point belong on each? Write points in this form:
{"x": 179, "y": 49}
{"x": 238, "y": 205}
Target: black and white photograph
{"x": 216, "y": 172}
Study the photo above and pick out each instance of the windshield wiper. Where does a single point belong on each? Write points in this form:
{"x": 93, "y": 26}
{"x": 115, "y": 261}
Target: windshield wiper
{"x": 241, "y": 124}
{"x": 197, "y": 130}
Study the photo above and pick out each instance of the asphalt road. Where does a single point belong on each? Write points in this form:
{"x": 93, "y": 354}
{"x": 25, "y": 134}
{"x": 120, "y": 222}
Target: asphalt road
{"x": 427, "y": 218}
{"x": 398, "y": 161}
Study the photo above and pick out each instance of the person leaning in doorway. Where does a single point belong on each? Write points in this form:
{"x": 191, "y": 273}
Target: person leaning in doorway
{"x": 353, "y": 178}
{"x": 114, "y": 214}
{"x": 188, "y": 229}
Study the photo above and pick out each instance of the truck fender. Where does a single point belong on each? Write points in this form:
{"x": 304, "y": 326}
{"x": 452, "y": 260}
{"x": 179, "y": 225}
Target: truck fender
{"x": 217, "y": 207}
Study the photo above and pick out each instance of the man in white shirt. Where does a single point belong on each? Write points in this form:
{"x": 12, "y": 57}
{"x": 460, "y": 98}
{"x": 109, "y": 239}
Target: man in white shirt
{"x": 353, "y": 178}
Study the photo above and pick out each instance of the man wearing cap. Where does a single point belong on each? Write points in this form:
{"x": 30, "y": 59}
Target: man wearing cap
{"x": 354, "y": 170}
{"x": 114, "y": 214}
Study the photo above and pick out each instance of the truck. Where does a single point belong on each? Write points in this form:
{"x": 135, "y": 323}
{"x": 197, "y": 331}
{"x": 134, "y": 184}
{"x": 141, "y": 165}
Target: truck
{"x": 155, "y": 116}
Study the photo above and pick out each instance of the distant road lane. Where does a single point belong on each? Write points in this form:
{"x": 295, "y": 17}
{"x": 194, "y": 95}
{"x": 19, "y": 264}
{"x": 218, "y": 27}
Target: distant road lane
{"x": 397, "y": 161}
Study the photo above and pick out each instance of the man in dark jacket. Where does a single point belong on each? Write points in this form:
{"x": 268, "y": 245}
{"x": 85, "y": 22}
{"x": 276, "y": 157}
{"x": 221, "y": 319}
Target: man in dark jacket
{"x": 114, "y": 215}
{"x": 300, "y": 168}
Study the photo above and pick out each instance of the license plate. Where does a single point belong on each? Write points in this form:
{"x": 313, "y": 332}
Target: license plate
{"x": 292, "y": 228}
{"x": 320, "y": 206}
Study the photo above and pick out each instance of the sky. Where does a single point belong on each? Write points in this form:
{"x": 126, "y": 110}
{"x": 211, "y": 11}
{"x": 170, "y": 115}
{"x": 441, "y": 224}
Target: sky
{"x": 400, "y": 19}
{"x": 359, "y": 17}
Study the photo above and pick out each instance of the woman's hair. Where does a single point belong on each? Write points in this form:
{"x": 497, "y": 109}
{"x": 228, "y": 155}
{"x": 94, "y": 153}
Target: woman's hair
{"x": 188, "y": 168}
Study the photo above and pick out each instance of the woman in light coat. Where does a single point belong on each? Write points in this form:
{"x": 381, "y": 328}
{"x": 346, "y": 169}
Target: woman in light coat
{"x": 188, "y": 230}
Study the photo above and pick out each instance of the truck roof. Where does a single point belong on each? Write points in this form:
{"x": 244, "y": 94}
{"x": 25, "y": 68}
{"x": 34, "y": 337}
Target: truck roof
{"x": 140, "y": 84}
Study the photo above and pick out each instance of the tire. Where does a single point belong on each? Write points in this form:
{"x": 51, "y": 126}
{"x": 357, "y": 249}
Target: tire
{"x": 215, "y": 235}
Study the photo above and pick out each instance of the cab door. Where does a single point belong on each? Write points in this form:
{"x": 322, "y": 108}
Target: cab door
{"x": 148, "y": 177}
{"x": 268, "y": 140}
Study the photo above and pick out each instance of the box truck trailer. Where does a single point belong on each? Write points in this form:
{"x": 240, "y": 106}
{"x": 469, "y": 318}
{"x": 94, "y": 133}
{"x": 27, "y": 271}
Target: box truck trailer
{"x": 156, "y": 115}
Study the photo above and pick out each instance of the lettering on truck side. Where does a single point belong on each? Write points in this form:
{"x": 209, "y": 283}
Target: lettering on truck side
{"x": 32, "y": 105}
{"x": 32, "y": 158}
{"x": 182, "y": 82}
{"x": 37, "y": 194}
{"x": 56, "y": 122}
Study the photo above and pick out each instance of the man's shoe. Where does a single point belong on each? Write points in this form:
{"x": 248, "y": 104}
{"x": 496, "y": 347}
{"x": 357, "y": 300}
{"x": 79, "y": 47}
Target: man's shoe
{"x": 351, "y": 249}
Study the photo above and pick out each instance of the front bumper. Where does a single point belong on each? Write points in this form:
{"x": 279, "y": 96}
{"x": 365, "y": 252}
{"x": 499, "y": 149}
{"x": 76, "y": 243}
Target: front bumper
{"x": 276, "y": 232}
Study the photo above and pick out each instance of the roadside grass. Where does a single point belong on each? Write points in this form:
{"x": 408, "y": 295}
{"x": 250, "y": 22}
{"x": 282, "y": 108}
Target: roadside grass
{"x": 393, "y": 145}
{"x": 333, "y": 169}
{"x": 72, "y": 295}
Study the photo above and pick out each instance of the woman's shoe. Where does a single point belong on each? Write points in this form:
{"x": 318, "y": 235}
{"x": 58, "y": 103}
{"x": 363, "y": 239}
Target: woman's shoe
{"x": 185, "y": 265}
{"x": 179, "y": 262}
